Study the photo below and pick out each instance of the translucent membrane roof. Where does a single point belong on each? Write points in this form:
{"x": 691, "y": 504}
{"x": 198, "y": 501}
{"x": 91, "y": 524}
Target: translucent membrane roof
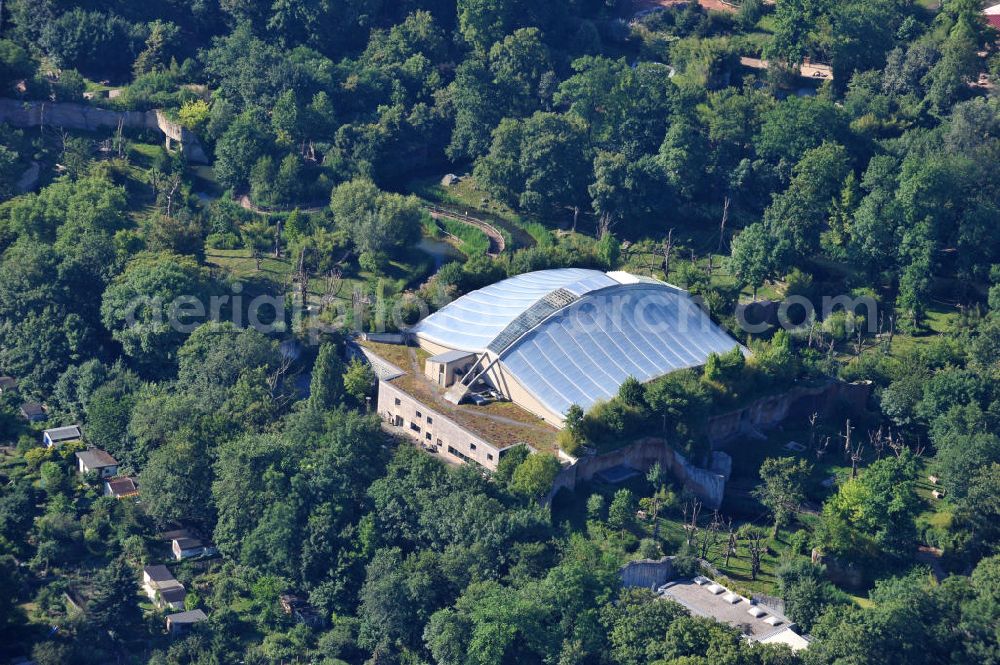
{"x": 573, "y": 336}
{"x": 474, "y": 320}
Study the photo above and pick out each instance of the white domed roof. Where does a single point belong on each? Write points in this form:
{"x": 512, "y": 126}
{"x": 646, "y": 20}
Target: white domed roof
{"x": 573, "y": 336}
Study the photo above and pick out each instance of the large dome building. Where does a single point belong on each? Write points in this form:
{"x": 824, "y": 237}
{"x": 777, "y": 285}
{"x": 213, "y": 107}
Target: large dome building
{"x": 550, "y": 339}
{"x": 501, "y": 366}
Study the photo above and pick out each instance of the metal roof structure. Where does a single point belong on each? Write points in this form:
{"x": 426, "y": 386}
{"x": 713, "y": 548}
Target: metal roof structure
{"x": 573, "y": 336}
{"x": 449, "y": 356}
{"x": 68, "y": 433}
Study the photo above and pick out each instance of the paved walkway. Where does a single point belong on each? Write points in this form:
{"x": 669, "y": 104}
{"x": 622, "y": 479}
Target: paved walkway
{"x": 806, "y": 70}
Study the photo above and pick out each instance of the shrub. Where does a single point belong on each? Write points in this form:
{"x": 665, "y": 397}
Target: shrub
{"x": 534, "y": 476}
{"x": 649, "y": 549}
{"x": 194, "y": 114}
{"x": 223, "y": 241}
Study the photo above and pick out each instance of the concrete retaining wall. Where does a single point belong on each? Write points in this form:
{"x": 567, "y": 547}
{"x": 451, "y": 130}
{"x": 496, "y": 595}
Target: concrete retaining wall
{"x": 768, "y": 412}
{"x": 82, "y": 117}
{"x": 647, "y": 573}
{"x": 707, "y": 485}
{"x": 710, "y": 484}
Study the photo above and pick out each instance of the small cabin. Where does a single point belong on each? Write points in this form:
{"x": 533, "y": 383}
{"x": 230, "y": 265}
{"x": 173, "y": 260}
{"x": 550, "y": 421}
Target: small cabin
{"x": 97, "y": 460}
{"x": 189, "y": 547}
{"x": 34, "y": 412}
{"x": 180, "y": 623}
{"x": 446, "y": 368}
{"x": 121, "y": 488}
{"x": 58, "y": 436}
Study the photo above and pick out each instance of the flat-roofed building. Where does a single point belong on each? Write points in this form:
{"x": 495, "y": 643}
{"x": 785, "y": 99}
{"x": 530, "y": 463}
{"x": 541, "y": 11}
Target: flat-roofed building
{"x": 758, "y": 622}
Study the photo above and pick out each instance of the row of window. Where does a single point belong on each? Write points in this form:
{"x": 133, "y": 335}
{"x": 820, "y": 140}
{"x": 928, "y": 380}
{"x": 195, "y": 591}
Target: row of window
{"x": 416, "y": 428}
{"x": 430, "y": 420}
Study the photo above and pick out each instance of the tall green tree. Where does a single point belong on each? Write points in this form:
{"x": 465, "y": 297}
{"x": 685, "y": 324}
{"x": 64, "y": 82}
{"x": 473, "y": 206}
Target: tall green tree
{"x": 782, "y": 487}
{"x": 114, "y": 607}
{"x": 326, "y": 389}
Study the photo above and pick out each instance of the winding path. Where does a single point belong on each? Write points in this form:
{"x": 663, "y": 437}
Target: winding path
{"x": 497, "y": 243}
{"x": 247, "y": 204}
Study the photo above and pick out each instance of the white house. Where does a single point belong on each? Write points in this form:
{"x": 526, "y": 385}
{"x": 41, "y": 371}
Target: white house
{"x": 187, "y": 547}
{"x": 162, "y": 588}
{"x": 60, "y": 435}
{"x": 98, "y": 461}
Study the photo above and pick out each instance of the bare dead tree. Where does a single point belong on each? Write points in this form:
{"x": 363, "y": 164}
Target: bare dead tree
{"x": 277, "y": 238}
{"x": 813, "y": 418}
{"x": 821, "y": 449}
{"x": 276, "y": 380}
{"x": 755, "y": 542}
{"x": 119, "y": 141}
{"x": 331, "y": 287}
{"x": 691, "y": 527}
{"x": 731, "y": 544}
{"x": 174, "y": 184}
{"x": 301, "y": 276}
{"x": 722, "y": 226}
{"x": 710, "y": 536}
{"x": 853, "y": 453}
{"x": 877, "y": 440}
{"x": 859, "y": 341}
{"x": 668, "y": 246}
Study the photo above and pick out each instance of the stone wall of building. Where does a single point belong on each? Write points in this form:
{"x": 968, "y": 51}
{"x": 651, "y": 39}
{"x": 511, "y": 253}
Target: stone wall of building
{"x": 707, "y": 485}
{"x": 82, "y": 117}
{"x": 768, "y": 412}
{"x": 647, "y": 573}
{"x": 406, "y": 416}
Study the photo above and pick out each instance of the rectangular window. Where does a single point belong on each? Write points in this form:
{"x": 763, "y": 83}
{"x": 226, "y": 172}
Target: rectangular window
{"x": 472, "y": 446}
{"x": 430, "y": 421}
{"x": 398, "y": 402}
{"x": 419, "y": 415}
{"x": 428, "y": 436}
{"x": 415, "y": 427}
{"x": 489, "y": 456}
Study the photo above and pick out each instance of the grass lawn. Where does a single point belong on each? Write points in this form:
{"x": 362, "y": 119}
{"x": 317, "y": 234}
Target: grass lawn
{"x": 570, "y": 508}
{"x": 940, "y": 319}
{"x": 766, "y": 23}
{"x": 239, "y": 264}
